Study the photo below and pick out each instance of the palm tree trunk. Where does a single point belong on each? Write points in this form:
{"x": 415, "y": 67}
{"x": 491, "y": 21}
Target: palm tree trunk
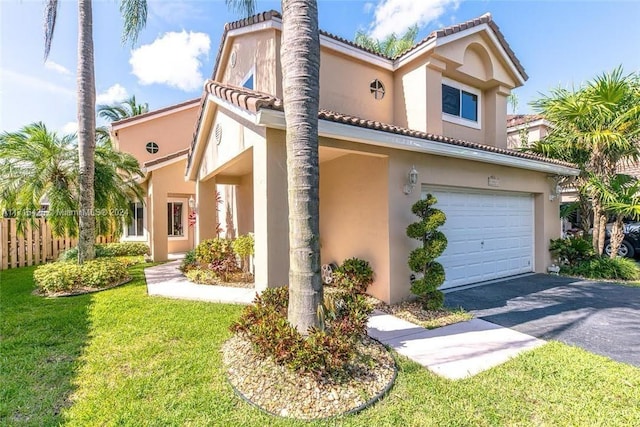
{"x": 617, "y": 235}
{"x": 301, "y": 75}
{"x": 86, "y": 131}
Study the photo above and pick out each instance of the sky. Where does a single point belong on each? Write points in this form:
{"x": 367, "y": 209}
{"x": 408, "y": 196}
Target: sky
{"x": 560, "y": 43}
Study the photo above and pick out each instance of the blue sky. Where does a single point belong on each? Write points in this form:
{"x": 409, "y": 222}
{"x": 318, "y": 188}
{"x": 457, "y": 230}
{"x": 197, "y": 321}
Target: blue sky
{"x": 559, "y": 44}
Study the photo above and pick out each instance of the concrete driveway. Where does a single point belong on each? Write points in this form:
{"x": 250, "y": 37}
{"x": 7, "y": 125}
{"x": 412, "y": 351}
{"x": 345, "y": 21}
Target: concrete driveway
{"x": 603, "y": 318}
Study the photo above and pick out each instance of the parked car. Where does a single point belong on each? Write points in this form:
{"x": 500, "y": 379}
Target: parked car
{"x": 631, "y": 242}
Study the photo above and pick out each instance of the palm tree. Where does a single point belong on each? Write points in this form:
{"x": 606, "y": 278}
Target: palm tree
{"x": 122, "y": 110}
{"x": 391, "y": 46}
{"x": 599, "y": 124}
{"x": 134, "y": 13}
{"x": 37, "y": 165}
{"x": 620, "y": 198}
{"x": 300, "y": 58}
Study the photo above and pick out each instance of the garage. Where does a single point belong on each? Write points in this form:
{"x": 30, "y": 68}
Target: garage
{"x": 490, "y": 234}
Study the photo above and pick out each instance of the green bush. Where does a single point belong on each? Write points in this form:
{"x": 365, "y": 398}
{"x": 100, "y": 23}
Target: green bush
{"x": 604, "y": 268}
{"x": 67, "y": 276}
{"x": 218, "y": 255}
{"x": 202, "y": 275}
{"x": 109, "y": 250}
{"x": 422, "y": 259}
{"x": 572, "y": 251}
{"x": 243, "y": 246}
{"x": 325, "y": 351}
{"x": 189, "y": 261}
{"x": 354, "y": 276}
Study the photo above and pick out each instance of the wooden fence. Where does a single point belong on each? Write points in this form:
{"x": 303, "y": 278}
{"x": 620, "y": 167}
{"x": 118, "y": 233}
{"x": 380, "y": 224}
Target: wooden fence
{"x": 36, "y": 245}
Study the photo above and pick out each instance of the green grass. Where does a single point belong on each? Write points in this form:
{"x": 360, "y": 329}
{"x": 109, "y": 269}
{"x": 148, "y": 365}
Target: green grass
{"x": 119, "y": 357}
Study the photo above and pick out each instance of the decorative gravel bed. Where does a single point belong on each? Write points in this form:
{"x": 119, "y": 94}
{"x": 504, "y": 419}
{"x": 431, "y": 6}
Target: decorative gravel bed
{"x": 279, "y": 391}
{"x": 413, "y": 312}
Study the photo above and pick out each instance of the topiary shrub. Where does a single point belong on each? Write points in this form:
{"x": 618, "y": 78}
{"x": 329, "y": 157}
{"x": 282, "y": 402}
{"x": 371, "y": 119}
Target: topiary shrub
{"x": 572, "y": 250}
{"x": 422, "y": 259}
{"x": 354, "y": 275}
{"x": 68, "y": 276}
{"x": 325, "y": 351}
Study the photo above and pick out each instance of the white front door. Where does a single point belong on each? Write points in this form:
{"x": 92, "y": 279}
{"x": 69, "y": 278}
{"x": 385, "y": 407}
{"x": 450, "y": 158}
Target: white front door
{"x": 490, "y": 234}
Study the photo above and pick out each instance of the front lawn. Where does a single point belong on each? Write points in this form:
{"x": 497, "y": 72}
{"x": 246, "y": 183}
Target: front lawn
{"x": 119, "y": 357}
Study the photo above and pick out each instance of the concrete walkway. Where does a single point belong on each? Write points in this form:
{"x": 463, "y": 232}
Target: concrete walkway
{"x": 455, "y": 351}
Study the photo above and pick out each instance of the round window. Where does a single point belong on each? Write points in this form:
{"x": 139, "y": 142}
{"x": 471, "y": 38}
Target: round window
{"x": 377, "y": 89}
{"x": 152, "y": 147}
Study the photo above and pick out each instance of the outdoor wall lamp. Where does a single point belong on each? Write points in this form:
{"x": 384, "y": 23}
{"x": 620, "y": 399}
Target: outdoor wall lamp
{"x": 412, "y": 180}
{"x": 192, "y": 203}
{"x": 555, "y": 187}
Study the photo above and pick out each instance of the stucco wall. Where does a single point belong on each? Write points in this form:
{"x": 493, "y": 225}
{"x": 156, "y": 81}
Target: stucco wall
{"x": 354, "y": 215}
{"x": 172, "y": 132}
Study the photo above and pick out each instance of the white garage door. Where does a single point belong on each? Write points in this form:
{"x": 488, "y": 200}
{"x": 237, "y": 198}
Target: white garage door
{"x": 490, "y": 234}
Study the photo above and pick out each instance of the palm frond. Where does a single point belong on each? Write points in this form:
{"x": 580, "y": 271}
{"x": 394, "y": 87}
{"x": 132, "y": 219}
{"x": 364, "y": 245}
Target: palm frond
{"x": 134, "y": 19}
{"x": 245, "y": 8}
{"x": 50, "y": 14}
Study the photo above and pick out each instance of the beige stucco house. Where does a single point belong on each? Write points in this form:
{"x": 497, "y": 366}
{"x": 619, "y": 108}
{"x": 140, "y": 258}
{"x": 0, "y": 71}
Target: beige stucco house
{"x": 160, "y": 141}
{"x": 438, "y": 110}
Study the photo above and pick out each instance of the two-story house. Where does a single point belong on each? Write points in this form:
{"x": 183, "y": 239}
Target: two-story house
{"x": 432, "y": 120}
{"x": 391, "y": 130}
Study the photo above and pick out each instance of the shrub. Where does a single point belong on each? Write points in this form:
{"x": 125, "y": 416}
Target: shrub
{"x": 572, "y": 250}
{"x": 202, "y": 275}
{"x": 422, "y": 259}
{"x": 109, "y": 250}
{"x": 243, "y": 246}
{"x": 189, "y": 261}
{"x": 67, "y": 276}
{"x": 325, "y": 351}
{"x": 354, "y": 275}
{"x": 604, "y": 268}
{"x": 218, "y": 254}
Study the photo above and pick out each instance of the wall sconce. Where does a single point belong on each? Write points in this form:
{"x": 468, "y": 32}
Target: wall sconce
{"x": 555, "y": 187}
{"x": 412, "y": 180}
{"x": 192, "y": 203}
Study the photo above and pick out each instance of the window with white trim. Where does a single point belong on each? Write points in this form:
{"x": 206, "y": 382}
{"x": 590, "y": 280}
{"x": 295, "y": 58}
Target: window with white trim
{"x": 247, "y": 82}
{"x": 136, "y": 227}
{"x": 461, "y": 104}
{"x": 175, "y": 219}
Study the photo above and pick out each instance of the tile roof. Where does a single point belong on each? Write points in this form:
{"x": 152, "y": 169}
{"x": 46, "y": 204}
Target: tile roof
{"x": 154, "y": 112}
{"x": 520, "y": 119}
{"x": 254, "y": 101}
{"x": 443, "y": 32}
{"x": 166, "y": 158}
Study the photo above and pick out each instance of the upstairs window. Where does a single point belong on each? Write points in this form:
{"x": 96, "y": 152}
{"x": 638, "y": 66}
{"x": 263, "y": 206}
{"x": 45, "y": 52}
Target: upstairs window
{"x": 247, "y": 82}
{"x": 460, "y": 103}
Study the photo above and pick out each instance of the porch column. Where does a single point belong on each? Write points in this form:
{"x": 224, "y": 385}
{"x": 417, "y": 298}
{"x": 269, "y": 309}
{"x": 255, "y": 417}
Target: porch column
{"x": 207, "y": 215}
{"x": 270, "y": 212}
{"x": 158, "y": 217}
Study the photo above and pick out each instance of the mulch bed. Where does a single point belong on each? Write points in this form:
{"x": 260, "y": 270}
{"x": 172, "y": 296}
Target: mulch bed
{"x": 279, "y": 391}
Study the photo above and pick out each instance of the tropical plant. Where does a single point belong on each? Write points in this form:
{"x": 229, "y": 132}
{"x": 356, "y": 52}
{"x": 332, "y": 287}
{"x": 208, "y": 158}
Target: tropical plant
{"x": 122, "y": 110}
{"x": 243, "y": 246}
{"x": 354, "y": 275}
{"x": 620, "y": 197}
{"x": 422, "y": 259}
{"x": 37, "y": 165}
{"x": 391, "y": 46}
{"x": 596, "y": 127}
{"x": 134, "y": 14}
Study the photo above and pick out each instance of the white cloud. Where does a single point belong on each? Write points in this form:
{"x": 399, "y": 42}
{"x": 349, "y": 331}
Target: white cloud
{"x": 368, "y": 7}
{"x": 69, "y": 128}
{"x": 34, "y": 83}
{"x": 115, "y": 93}
{"x": 50, "y": 65}
{"x": 172, "y": 59}
{"x": 396, "y": 16}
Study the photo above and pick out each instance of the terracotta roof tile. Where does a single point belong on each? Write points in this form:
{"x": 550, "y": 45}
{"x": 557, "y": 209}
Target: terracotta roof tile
{"x": 484, "y": 19}
{"x": 520, "y": 119}
{"x": 166, "y": 158}
{"x": 254, "y": 101}
{"x": 154, "y": 112}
